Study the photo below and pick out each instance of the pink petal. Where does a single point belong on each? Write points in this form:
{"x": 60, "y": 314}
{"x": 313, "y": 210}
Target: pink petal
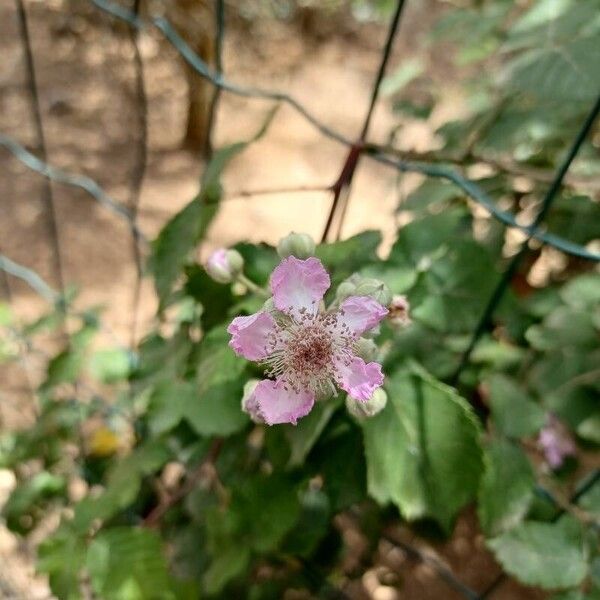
{"x": 360, "y": 313}
{"x": 359, "y": 379}
{"x": 277, "y": 404}
{"x": 299, "y": 284}
{"x": 253, "y": 337}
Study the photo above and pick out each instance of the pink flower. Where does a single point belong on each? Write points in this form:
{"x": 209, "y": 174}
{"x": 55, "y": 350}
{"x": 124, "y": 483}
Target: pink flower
{"x": 556, "y": 442}
{"x": 306, "y": 350}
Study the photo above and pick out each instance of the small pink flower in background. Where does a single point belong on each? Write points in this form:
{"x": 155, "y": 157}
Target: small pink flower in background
{"x": 224, "y": 265}
{"x": 556, "y": 442}
{"x": 306, "y": 350}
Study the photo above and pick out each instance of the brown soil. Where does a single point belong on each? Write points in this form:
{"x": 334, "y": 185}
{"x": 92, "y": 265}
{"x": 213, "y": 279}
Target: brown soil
{"x": 86, "y": 86}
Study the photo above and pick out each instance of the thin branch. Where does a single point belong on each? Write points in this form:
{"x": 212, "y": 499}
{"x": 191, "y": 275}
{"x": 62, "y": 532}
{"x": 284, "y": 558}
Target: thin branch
{"x": 139, "y": 168}
{"x": 508, "y": 274}
{"x": 47, "y": 197}
{"x": 441, "y": 570}
{"x": 167, "y": 502}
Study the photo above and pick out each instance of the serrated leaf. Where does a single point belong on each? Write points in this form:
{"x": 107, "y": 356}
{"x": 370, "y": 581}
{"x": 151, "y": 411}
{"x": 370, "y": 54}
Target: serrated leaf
{"x": 548, "y": 555}
{"x": 128, "y": 563}
{"x": 506, "y": 487}
{"x": 514, "y": 413}
{"x": 423, "y": 451}
{"x": 62, "y": 557}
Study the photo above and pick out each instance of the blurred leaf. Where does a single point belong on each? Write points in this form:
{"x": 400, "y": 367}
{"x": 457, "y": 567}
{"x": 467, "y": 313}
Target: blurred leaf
{"x": 582, "y": 291}
{"x": 506, "y": 487}
{"x": 423, "y": 449}
{"x": 302, "y": 437}
{"x": 431, "y": 193}
{"x": 110, "y": 366}
{"x": 26, "y": 496}
{"x": 178, "y": 237}
{"x": 62, "y": 557}
{"x": 514, "y": 413}
{"x": 576, "y": 218}
{"x": 408, "y": 71}
{"x": 343, "y": 258}
{"x": 128, "y": 564}
{"x": 229, "y": 563}
{"x": 548, "y": 555}
{"x": 589, "y": 429}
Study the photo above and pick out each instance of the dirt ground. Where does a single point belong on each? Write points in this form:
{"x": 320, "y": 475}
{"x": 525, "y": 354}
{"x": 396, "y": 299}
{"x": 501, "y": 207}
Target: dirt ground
{"x": 86, "y": 85}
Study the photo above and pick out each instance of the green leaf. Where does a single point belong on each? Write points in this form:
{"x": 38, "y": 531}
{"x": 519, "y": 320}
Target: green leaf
{"x": 122, "y": 485}
{"x": 217, "y": 410}
{"x": 582, "y": 291}
{"x": 110, "y": 366}
{"x": 589, "y": 429}
{"x": 229, "y": 563}
{"x": 168, "y": 404}
{"x": 348, "y": 256}
{"x": 302, "y": 437}
{"x": 27, "y": 495}
{"x": 128, "y": 564}
{"x": 179, "y": 236}
{"x": 423, "y": 451}
{"x": 506, "y": 487}
{"x": 548, "y": 555}
{"x": 431, "y": 193}
{"x": 514, "y": 413}
{"x": 62, "y": 557}
{"x": 410, "y": 69}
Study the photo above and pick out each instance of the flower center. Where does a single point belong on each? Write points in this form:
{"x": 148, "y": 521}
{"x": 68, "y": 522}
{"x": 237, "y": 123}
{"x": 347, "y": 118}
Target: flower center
{"x": 310, "y": 350}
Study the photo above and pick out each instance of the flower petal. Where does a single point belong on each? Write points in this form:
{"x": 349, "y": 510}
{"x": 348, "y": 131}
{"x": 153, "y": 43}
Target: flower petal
{"x": 360, "y": 313}
{"x": 253, "y": 336}
{"x": 299, "y": 284}
{"x": 358, "y": 378}
{"x": 279, "y": 403}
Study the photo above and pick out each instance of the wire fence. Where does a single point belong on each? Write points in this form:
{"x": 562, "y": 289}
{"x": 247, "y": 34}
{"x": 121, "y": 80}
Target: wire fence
{"x": 339, "y": 190}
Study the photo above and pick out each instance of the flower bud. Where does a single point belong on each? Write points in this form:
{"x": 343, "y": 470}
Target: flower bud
{"x": 348, "y": 287}
{"x": 376, "y": 289}
{"x": 399, "y": 316}
{"x": 367, "y": 349}
{"x": 224, "y": 265}
{"x": 300, "y": 245}
{"x": 363, "y": 410}
{"x": 249, "y": 402}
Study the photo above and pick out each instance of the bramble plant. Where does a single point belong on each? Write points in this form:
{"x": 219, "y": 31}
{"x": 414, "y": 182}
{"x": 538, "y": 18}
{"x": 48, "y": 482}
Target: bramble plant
{"x": 281, "y": 388}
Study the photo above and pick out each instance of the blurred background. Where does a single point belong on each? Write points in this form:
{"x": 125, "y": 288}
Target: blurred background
{"x": 497, "y": 88}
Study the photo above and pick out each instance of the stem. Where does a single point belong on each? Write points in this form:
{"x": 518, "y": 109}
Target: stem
{"x": 253, "y": 287}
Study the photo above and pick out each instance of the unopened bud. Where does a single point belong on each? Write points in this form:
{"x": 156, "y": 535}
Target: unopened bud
{"x": 376, "y": 289}
{"x": 363, "y": 410}
{"x": 224, "y": 265}
{"x": 399, "y": 315}
{"x": 367, "y": 349}
{"x": 348, "y": 287}
{"x": 300, "y": 245}
{"x": 250, "y": 403}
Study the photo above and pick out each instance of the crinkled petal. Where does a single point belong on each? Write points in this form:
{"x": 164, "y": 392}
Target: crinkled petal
{"x": 279, "y": 403}
{"x": 299, "y": 284}
{"x": 358, "y": 378}
{"x": 360, "y": 313}
{"x": 252, "y": 336}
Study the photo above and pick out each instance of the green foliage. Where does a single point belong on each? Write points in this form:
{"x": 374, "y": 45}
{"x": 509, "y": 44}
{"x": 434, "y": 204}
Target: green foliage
{"x": 423, "y": 450}
{"x": 189, "y": 498}
{"x": 550, "y": 555}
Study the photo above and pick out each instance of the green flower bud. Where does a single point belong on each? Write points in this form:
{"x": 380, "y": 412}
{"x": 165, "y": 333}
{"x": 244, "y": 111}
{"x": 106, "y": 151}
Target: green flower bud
{"x": 363, "y": 410}
{"x": 367, "y": 349}
{"x": 348, "y": 287}
{"x": 224, "y": 265}
{"x": 300, "y": 245}
{"x": 376, "y": 289}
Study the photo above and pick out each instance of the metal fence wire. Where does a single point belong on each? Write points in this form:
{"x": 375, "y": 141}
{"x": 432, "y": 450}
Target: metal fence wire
{"x": 340, "y": 193}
